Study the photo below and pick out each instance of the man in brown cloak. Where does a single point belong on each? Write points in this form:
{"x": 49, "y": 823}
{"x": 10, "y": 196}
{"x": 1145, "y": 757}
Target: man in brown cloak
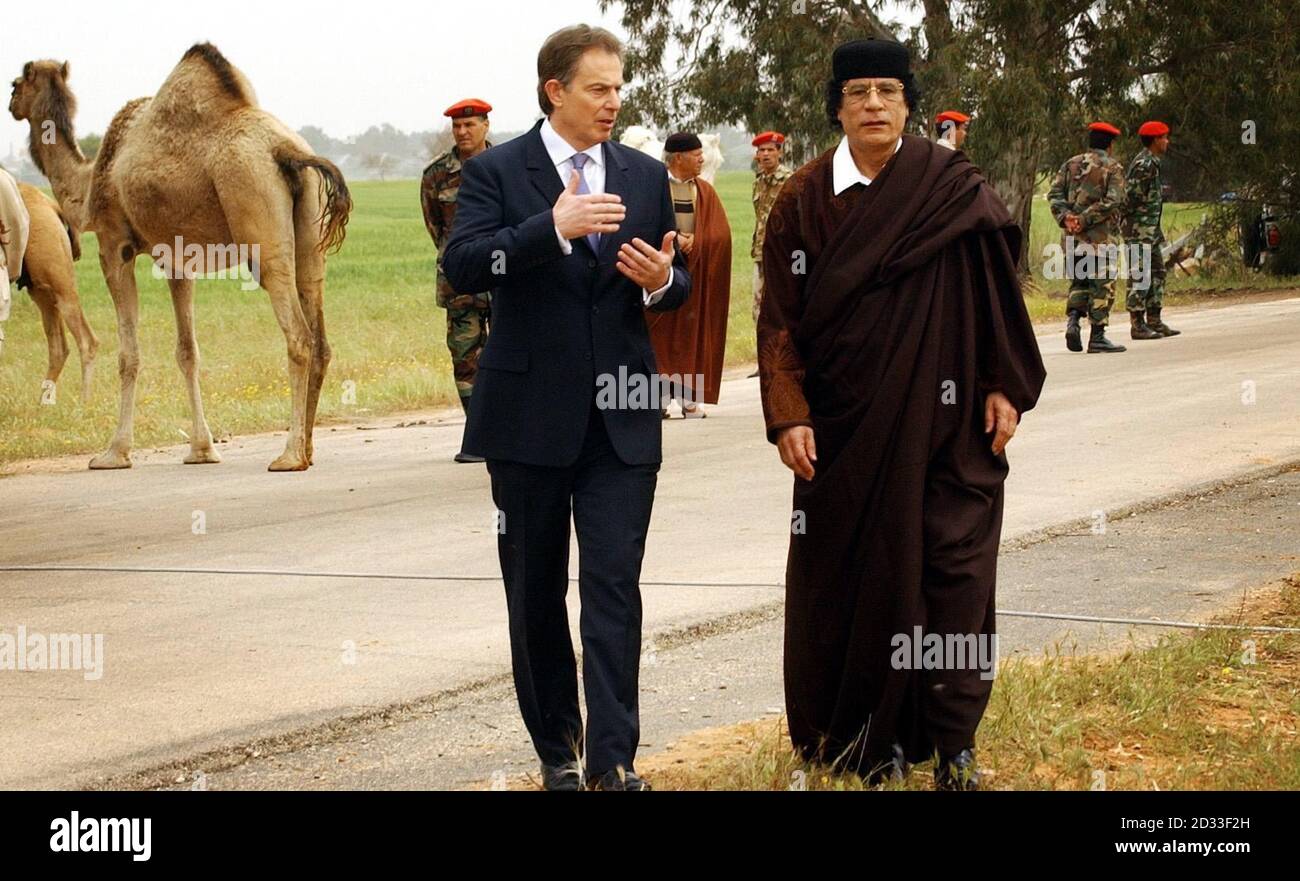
{"x": 689, "y": 343}
{"x": 896, "y": 357}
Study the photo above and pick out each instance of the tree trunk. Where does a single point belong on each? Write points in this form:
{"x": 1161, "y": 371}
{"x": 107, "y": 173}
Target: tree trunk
{"x": 1014, "y": 175}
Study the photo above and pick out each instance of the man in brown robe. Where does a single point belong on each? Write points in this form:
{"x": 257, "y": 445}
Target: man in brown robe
{"x": 896, "y": 356}
{"x": 690, "y": 342}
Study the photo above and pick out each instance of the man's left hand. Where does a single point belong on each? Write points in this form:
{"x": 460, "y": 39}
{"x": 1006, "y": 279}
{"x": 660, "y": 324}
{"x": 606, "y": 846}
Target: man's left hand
{"x": 999, "y": 414}
{"x": 647, "y": 267}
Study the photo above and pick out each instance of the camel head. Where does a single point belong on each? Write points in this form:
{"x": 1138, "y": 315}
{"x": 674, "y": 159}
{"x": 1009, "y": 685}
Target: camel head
{"x": 42, "y": 97}
{"x": 43, "y": 86}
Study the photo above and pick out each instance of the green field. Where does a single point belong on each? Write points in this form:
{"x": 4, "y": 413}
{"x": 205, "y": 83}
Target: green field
{"x": 385, "y": 330}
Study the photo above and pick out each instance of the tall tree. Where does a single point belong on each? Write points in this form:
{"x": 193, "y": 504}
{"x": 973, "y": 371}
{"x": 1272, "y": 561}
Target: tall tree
{"x": 1032, "y": 72}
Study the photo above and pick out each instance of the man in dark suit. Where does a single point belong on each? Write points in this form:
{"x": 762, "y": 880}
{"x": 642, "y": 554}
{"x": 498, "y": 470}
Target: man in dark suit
{"x": 558, "y": 223}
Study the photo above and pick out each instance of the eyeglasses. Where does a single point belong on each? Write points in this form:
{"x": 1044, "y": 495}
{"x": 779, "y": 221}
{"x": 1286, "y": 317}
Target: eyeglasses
{"x": 889, "y": 92}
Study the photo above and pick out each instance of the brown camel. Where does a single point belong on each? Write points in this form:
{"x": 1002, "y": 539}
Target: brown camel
{"x": 51, "y": 280}
{"x": 201, "y": 165}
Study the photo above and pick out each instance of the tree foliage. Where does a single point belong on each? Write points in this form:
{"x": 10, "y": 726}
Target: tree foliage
{"x": 1031, "y": 72}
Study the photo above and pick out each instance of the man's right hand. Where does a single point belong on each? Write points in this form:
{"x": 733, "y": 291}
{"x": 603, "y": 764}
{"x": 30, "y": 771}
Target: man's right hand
{"x": 577, "y": 216}
{"x": 798, "y": 450}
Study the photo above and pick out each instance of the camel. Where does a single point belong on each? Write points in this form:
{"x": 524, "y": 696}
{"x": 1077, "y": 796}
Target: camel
{"x": 641, "y": 138}
{"x": 15, "y": 225}
{"x": 199, "y": 165}
{"x": 50, "y": 278}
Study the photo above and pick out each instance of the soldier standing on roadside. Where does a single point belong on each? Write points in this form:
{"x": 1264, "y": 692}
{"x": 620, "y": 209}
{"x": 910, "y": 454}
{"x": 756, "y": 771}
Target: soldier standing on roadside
{"x": 768, "y": 180}
{"x": 1087, "y": 198}
{"x": 468, "y": 314}
{"x": 1143, "y": 204}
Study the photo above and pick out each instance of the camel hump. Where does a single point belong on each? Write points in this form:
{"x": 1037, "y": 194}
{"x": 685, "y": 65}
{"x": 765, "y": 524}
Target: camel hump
{"x": 205, "y": 75}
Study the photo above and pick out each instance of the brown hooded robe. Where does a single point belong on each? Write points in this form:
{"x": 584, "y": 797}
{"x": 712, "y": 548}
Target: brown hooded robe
{"x": 904, "y": 313}
{"x": 693, "y": 339}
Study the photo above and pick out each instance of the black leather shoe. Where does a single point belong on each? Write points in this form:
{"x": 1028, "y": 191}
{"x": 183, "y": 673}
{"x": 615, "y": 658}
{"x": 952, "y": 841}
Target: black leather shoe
{"x": 957, "y": 773}
{"x": 618, "y": 780}
{"x": 562, "y": 778}
{"x": 1098, "y": 342}
{"x": 1073, "y": 341}
{"x": 891, "y": 768}
{"x": 467, "y": 459}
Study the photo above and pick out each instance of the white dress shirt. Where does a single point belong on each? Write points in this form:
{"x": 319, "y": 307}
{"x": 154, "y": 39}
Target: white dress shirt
{"x": 561, "y": 153}
{"x": 844, "y": 171}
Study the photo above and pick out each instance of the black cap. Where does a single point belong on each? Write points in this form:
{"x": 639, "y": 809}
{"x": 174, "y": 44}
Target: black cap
{"x": 872, "y": 58}
{"x": 683, "y": 142}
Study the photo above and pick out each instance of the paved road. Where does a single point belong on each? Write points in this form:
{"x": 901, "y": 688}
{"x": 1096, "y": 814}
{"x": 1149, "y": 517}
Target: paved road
{"x": 1183, "y": 561}
{"x": 195, "y": 662}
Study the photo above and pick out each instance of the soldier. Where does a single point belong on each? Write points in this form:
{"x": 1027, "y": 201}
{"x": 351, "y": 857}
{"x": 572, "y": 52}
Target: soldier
{"x": 1143, "y": 204}
{"x": 952, "y": 126}
{"x": 468, "y": 315}
{"x": 771, "y": 176}
{"x": 1087, "y": 198}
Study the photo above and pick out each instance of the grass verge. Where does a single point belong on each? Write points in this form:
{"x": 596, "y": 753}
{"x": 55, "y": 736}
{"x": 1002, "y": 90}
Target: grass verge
{"x": 1193, "y": 712}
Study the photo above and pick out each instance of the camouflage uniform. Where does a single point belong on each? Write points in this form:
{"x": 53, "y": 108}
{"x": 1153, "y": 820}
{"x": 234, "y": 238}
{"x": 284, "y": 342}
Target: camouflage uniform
{"x": 766, "y": 188}
{"x": 1090, "y": 185}
{"x": 468, "y": 315}
{"x": 1143, "y": 204}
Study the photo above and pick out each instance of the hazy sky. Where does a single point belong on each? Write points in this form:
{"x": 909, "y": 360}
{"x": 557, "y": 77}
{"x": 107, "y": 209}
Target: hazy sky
{"x": 343, "y": 66}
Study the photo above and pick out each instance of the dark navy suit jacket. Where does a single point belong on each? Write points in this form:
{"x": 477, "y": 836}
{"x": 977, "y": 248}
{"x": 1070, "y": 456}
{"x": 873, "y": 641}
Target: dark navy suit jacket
{"x": 558, "y": 322}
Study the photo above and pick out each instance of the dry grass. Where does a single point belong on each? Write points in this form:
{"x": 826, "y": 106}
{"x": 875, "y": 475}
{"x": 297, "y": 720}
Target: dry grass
{"x": 1188, "y": 713}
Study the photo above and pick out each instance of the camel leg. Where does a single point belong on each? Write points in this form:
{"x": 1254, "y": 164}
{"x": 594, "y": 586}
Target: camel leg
{"x": 313, "y": 308}
{"x": 55, "y": 341}
{"x": 277, "y": 277}
{"x": 187, "y": 358}
{"x": 266, "y": 226}
{"x": 120, "y": 276}
{"x": 87, "y": 343}
{"x": 311, "y": 295}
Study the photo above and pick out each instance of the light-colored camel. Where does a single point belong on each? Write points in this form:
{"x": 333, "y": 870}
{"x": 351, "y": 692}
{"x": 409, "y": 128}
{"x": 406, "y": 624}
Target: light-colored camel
{"x": 51, "y": 279}
{"x": 15, "y": 226}
{"x": 201, "y": 164}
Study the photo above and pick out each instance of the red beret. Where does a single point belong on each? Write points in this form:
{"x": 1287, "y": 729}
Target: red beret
{"x": 768, "y": 138}
{"x": 1103, "y": 127}
{"x": 1153, "y": 129}
{"x": 952, "y": 116}
{"x": 468, "y": 107}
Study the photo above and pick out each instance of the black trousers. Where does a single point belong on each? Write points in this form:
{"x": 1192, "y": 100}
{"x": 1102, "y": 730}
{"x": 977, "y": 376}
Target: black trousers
{"x": 609, "y": 502}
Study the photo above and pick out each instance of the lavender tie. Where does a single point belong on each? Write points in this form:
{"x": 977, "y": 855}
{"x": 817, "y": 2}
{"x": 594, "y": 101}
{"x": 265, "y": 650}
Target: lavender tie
{"x": 579, "y": 160}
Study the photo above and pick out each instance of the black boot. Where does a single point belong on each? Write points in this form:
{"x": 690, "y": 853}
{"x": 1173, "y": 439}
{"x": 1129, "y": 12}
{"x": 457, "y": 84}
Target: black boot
{"x": 1154, "y": 322}
{"x": 1138, "y": 329}
{"x": 1073, "y": 341}
{"x": 893, "y": 767}
{"x": 1098, "y": 342}
{"x": 957, "y": 773}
